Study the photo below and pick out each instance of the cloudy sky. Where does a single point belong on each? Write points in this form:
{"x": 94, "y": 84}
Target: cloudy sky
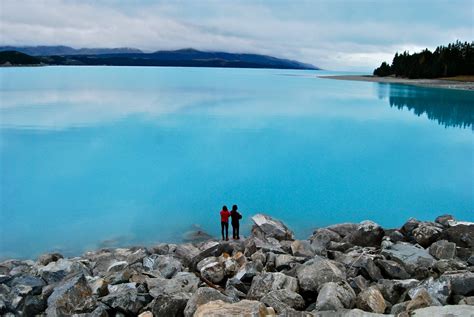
{"x": 336, "y": 35}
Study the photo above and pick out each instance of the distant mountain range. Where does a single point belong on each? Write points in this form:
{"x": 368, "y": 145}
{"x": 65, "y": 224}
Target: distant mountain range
{"x": 64, "y": 55}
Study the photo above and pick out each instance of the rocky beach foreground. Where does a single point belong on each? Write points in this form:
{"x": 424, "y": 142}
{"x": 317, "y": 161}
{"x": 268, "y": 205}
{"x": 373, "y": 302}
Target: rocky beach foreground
{"x": 349, "y": 269}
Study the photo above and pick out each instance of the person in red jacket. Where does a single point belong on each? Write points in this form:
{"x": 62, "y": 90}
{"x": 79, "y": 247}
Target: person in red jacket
{"x": 225, "y": 214}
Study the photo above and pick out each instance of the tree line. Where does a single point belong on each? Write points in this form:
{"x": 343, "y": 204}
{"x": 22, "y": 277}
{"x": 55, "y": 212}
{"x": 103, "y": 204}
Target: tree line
{"x": 446, "y": 61}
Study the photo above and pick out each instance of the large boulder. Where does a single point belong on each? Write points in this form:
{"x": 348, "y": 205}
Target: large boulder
{"x": 211, "y": 269}
{"x": 334, "y": 296}
{"x": 462, "y": 235}
{"x": 246, "y": 308}
{"x": 56, "y": 271}
{"x": 315, "y": 272}
{"x": 268, "y": 227}
{"x": 462, "y": 283}
{"x": 202, "y": 296}
{"x": 127, "y": 300}
{"x": 170, "y": 304}
{"x": 165, "y": 265}
{"x": 392, "y": 269}
{"x": 322, "y": 238}
{"x": 74, "y": 296}
{"x": 29, "y": 284}
{"x": 266, "y": 282}
{"x": 282, "y": 300}
{"x": 395, "y": 290}
{"x": 182, "y": 282}
{"x": 426, "y": 233}
{"x": 371, "y": 300}
{"x": 443, "y": 249}
{"x": 368, "y": 234}
{"x": 412, "y": 257}
{"x": 47, "y": 258}
{"x": 439, "y": 290}
{"x": 302, "y": 248}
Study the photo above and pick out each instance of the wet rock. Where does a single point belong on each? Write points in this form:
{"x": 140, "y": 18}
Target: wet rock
{"x": 334, "y": 296}
{"x": 47, "y": 258}
{"x": 202, "y": 296}
{"x": 246, "y": 308}
{"x": 127, "y": 301}
{"x": 283, "y": 299}
{"x": 439, "y": 290}
{"x": 371, "y": 300}
{"x": 302, "y": 248}
{"x": 392, "y": 269}
{"x": 268, "y": 227}
{"x": 182, "y": 282}
{"x": 266, "y": 282}
{"x": 412, "y": 257}
{"x": 443, "y": 249}
{"x": 211, "y": 269}
{"x": 449, "y": 310}
{"x": 170, "y": 304}
{"x": 426, "y": 233}
{"x": 71, "y": 297}
{"x": 461, "y": 283}
{"x": 166, "y": 265}
{"x": 315, "y": 272}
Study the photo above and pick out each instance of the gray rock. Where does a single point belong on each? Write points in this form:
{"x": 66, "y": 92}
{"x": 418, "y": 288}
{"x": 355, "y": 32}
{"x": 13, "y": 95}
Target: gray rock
{"x": 282, "y": 300}
{"x": 98, "y": 285}
{"x": 467, "y": 301}
{"x": 286, "y": 261}
{"x": 449, "y": 310}
{"x": 166, "y": 265}
{"x": 121, "y": 287}
{"x": 56, "y": 271}
{"x": 334, "y": 296}
{"x": 302, "y": 248}
{"x": 367, "y": 234}
{"x": 421, "y": 299}
{"x": 426, "y": 233}
{"x": 211, "y": 269}
{"x": 344, "y": 229}
{"x": 202, "y": 296}
{"x": 371, "y": 300}
{"x": 34, "y": 283}
{"x": 412, "y": 257}
{"x": 71, "y": 297}
{"x": 315, "y": 272}
{"x": 461, "y": 283}
{"x": 408, "y": 227}
{"x": 358, "y": 283}
{"x": 443, "y": 249}
{"x": 128, "y": 301}
{"x": 117, "y": 266}
{"x": 347, "y": 313}
{"x": 47, "y": 258}
{"x": 266, "y": 282}
{"x": 444, "y": 220}
{"x": 268, "y": 227}
{"x": 187, "y": 253}
{"x": 392, "y": 269}
{"x": 247, "y": 308}
{"x": 182, "y": 282}
{"x": 322, "y": 238}
{"x": 443, "y": 266}
{"x": 462, "y": 235}
{"x": 247, "y": 272}
{"x": 33, "y": 305}
{"x": 439, "y": 289}
{"x": 394, "y": 290}
{"x": 170, "y": 304}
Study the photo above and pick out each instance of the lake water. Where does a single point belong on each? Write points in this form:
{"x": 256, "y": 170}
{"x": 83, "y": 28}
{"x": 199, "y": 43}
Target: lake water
{"x": 116, "y": 156}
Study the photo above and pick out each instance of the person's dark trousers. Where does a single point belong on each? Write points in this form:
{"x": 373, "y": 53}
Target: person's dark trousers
{"x": 235, "y": 231}
{"x": 225, "y": 225}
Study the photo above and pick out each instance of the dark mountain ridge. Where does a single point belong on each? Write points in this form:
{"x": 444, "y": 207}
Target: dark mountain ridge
{"x": 66, "y": 50}
{"x": 183, "y": 57}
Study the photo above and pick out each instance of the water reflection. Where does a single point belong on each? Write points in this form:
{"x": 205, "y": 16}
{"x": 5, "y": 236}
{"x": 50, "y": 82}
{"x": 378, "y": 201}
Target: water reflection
{"x": 451, "y": 108}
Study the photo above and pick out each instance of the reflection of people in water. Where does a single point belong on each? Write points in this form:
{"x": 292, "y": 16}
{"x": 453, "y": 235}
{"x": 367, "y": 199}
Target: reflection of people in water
{"x": 225, "y": 214}
{"x": 236, "y": 216}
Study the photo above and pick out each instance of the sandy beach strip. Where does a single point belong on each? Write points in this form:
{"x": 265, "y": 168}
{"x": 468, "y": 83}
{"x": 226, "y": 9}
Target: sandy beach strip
{"x": 454, "y": 83}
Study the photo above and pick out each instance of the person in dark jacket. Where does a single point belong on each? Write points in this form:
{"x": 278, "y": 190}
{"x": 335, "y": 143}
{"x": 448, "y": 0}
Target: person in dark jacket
{"x": 236, "y": 216}
{"x": 225, "y": 214}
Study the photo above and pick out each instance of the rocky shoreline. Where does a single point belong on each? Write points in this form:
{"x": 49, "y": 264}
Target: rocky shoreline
{"x": 349, "y": 269}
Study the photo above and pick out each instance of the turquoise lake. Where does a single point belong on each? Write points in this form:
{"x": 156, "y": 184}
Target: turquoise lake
{"x": 119, "y": 156}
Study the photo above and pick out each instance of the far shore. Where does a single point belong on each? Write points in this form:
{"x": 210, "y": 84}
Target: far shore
{"x": 459, "y": 83}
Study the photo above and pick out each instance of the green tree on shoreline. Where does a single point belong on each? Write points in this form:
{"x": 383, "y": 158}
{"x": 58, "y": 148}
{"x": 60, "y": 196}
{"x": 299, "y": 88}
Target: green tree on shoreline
{"x": 446, "y": 61}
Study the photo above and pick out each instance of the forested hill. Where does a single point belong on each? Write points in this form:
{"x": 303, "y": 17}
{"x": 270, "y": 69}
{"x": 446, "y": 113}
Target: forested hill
{"x": 446, "y": 61}
{"x": 184, "y": 58}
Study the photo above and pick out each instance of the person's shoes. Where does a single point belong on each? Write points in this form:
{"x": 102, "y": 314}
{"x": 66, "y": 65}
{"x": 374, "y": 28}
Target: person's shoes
{"x": 238, "y": 238}
{"x": 226, "y": 239}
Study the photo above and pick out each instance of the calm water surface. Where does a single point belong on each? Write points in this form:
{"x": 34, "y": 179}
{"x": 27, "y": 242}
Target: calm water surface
{"x": 99, "y": 156}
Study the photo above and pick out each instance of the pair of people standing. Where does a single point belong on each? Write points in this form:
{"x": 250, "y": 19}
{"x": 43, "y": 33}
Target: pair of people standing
{"x": 235, "y": 216}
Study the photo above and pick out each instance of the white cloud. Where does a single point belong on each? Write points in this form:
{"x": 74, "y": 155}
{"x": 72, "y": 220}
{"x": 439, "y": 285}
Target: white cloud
{"x": 326, "y": 39}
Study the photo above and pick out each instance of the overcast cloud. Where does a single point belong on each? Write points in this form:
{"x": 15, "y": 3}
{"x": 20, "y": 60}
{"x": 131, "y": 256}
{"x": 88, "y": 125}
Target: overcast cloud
{"x": 337, "y": 35}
